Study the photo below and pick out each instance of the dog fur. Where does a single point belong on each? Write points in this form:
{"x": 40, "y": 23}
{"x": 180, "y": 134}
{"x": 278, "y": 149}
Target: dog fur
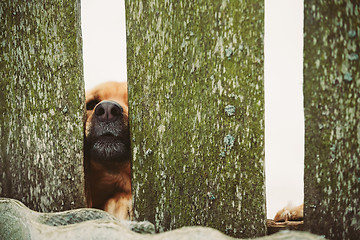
{"x": 290, "y": 213}
{"x": 107, "y": 150}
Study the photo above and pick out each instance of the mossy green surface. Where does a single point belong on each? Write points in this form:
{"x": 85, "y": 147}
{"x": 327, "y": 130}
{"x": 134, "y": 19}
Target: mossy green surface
{"x": 42, "y": 106}
{"x": 193, "y": 163}
{"x": 332, "y": 118}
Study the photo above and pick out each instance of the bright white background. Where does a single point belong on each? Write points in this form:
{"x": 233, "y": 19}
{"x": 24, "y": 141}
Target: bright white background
{"x": 104, "y": 47}
{"x": 104, "y": 41}
{"x": 284, "y": 118}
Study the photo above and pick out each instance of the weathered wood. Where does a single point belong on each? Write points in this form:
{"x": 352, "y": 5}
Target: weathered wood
{"x": 274, "y": 227}
{"x": 196, "y": 100}
{"x": 332, "y": 113}
{"x": 41, "y": 107}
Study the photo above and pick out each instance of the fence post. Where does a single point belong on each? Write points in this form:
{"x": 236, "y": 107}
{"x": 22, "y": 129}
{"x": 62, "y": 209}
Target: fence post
{"x": 41, "y": 108}
{"x": 196, "y": 100}
{"x": 332, "y": 113}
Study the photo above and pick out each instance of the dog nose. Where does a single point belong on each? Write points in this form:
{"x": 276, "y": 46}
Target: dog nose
{"x": 108, "y": 111}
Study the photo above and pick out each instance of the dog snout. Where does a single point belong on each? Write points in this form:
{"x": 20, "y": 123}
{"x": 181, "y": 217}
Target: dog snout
{"x": 108, "y": 111}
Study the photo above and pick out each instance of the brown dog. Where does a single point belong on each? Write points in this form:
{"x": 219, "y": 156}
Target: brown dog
{"x": 107, "y": 150}
{"x": 290, "y": 213}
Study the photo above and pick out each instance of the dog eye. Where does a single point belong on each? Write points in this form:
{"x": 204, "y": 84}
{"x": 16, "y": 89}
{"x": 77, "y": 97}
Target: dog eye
{"x": 91, "y": 104}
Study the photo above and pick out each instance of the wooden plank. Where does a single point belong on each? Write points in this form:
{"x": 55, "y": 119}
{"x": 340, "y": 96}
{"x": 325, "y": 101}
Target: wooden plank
{"x": 42, "y": 106}
{"x": 332, "y": 113}
{"x": 196, "y": 100}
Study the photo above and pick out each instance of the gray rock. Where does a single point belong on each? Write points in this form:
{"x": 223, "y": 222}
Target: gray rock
{"x": 20, "y": 223}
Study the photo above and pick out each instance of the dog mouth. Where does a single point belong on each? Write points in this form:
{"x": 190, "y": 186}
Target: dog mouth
{"x": 108, "y": 147}
{"x": 107, "y": 137}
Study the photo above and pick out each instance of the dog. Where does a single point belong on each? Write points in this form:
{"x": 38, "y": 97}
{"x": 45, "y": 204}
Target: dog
{"x": 107, "y": 156}
{"x": 290, "y": 213}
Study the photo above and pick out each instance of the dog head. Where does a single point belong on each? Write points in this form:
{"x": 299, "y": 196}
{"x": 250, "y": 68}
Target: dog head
{"x": 106, "y": 128}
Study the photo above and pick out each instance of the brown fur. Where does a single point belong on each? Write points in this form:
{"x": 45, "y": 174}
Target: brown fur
{"x": 290, "y": 213}
{"x": 107, "y": 150}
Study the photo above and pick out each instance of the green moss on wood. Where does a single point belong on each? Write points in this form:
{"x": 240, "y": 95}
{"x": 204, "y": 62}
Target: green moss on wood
{"x": 42, "y": 93}
{"x": 187, "y": 61}
{"x": 332, "y": 113}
